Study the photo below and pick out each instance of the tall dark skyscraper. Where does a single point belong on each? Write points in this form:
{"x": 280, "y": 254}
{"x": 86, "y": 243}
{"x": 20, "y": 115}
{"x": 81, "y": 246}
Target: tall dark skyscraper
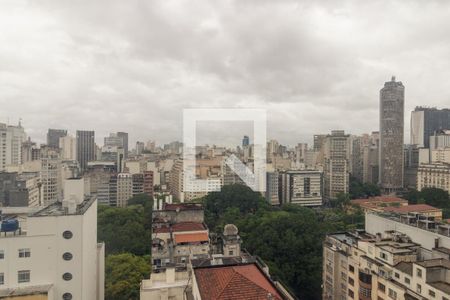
{"x": 124, "y": 137}
{"x": 425, "y": 121}
{"x": 53, "y": 136}
{"x": 392, "y": 103}
{"x": 85, "y": 147}
{"x": 245, "y": 141}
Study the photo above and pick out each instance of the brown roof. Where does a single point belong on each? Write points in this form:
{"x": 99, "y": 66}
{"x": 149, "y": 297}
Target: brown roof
{"x": 191, "y": 237}
{"x": 411, "y": 208}
{"x": 382, "y": 199}
{"x": 234, "y": 282}
{"x": 182, "y": 206}
{"x": 183, "y": 226}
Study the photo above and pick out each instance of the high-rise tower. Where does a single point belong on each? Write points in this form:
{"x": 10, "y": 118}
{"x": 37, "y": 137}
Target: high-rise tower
{"x": 85, "y": 147}
{"x": 392, "y": 102}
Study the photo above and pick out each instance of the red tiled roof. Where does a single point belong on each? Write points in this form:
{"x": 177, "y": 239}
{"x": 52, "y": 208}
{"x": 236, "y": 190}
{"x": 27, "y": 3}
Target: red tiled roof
{"x": 233, "y": 283}
{"x": 191, "y": 237}
{"x": 183, "y": 226}
{"x": 411, "y": 208}
{"x": 383, "y": 199}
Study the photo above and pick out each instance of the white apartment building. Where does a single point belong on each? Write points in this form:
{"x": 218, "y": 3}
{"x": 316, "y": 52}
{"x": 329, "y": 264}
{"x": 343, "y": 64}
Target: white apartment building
{"x": 11, "y": 139}
{"x": 50, "y": 175}
{"x": 53, "y": 253}
{"x": 434, "y": 175}
{"x": 124, "y": 188}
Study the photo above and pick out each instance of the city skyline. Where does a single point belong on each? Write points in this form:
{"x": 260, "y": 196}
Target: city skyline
{"x": 112, "y": 76}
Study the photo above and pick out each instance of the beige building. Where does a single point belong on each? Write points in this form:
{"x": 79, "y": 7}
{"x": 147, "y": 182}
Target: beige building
{"x": 434, "y": 175}
{"x": 336, "y": 166}
{"x": 396, "y": 257}
{"x": 124, "y": 188}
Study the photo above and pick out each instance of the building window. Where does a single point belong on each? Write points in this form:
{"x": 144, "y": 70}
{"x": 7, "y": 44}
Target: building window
{"x": 351, "y": 294}
{"x": 383, "y": 255}
{"x": 25, "y": 252}
{"x": 2, "y": 278}
{"x": 23, "y": 276}
{"x": 419, "y": 288}
{"x": 67, "y": 256}
{"x": 67, "y": 276}
{"x": 392, "y": 294}
{"x": 397, "y": 275}
{"x": 419, "y": 273}
{"x": 67, "y": 234}
{"x": 431, "y": 293}
{"x": 367, "y": 293}
{"x": 381, "y": 287}
{"x": 2, "y": 254}
{"x": 67, "y": 296}
{"x": 407, "y": 281}
{"x": 351, "y": 268}
{"x": 351, "y": 281}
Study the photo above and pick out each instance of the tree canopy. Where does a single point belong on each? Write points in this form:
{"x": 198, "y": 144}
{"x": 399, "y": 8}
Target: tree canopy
{"x": 123, "y": 229}
{"x": 124, "y": 273}
{"x": 289, "y": 239}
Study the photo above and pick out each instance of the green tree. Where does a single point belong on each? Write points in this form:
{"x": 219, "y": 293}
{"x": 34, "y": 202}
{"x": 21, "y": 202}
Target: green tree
{"x": 123, "y": 229}
{"x": 289, "y": 239}
{"x": 232, "y": 196}
{"x": 124, "y": 273}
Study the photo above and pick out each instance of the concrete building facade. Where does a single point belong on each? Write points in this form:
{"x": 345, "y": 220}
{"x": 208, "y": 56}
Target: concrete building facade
{"x": 392, "y": 102}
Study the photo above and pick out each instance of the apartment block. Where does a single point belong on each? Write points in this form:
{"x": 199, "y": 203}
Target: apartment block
{"x": 435, "y": 175}
{"x": 303, "y": 187}
{"x": 53, "y": 253}
{"x": 397, "y": 256}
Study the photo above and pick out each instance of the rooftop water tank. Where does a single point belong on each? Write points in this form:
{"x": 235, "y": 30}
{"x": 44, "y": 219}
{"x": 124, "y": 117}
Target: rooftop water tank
{"x": 10, "y": 225}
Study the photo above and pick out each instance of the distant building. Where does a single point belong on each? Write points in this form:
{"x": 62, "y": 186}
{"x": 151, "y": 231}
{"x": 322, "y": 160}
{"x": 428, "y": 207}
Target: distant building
{"x": 336, "y": 164}
{"x": 124, "y": 189}
{"x": 245, "y": 141}
{"x": 124, "y": 137}
{"x": 85, "y": 148}
{"x": 51, "y": 178}
{"x": 68, "y": 146}
{"x": 425, "y": 121}
{"x": 303, "y": 187}
{"x": 20, "y": 189}
{"x": 411, "y": 164}
{"x": 434, "y": 175}
{"x": 440, "y": 139}
{"x": 272, "y": 188}
{"x": 53, "y": 253}
{"x": 11, "y": 139}
{"x": 392, "y": 102}
{"x": 53, "y": 136}
{"x": 140, "y": 147}
{"x": 371, "y": 159}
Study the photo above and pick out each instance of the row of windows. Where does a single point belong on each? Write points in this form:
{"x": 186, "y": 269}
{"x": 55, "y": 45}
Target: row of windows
{"x": 25, "y": 276}
{"x": 23, "y": 253}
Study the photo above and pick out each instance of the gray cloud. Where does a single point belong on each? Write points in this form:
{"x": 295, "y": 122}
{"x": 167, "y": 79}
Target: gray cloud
{"x": 134, "y": 65}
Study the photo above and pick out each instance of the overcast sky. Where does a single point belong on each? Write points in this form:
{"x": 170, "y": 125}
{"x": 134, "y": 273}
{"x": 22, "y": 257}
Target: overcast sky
{"x": 134, "y": 65}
